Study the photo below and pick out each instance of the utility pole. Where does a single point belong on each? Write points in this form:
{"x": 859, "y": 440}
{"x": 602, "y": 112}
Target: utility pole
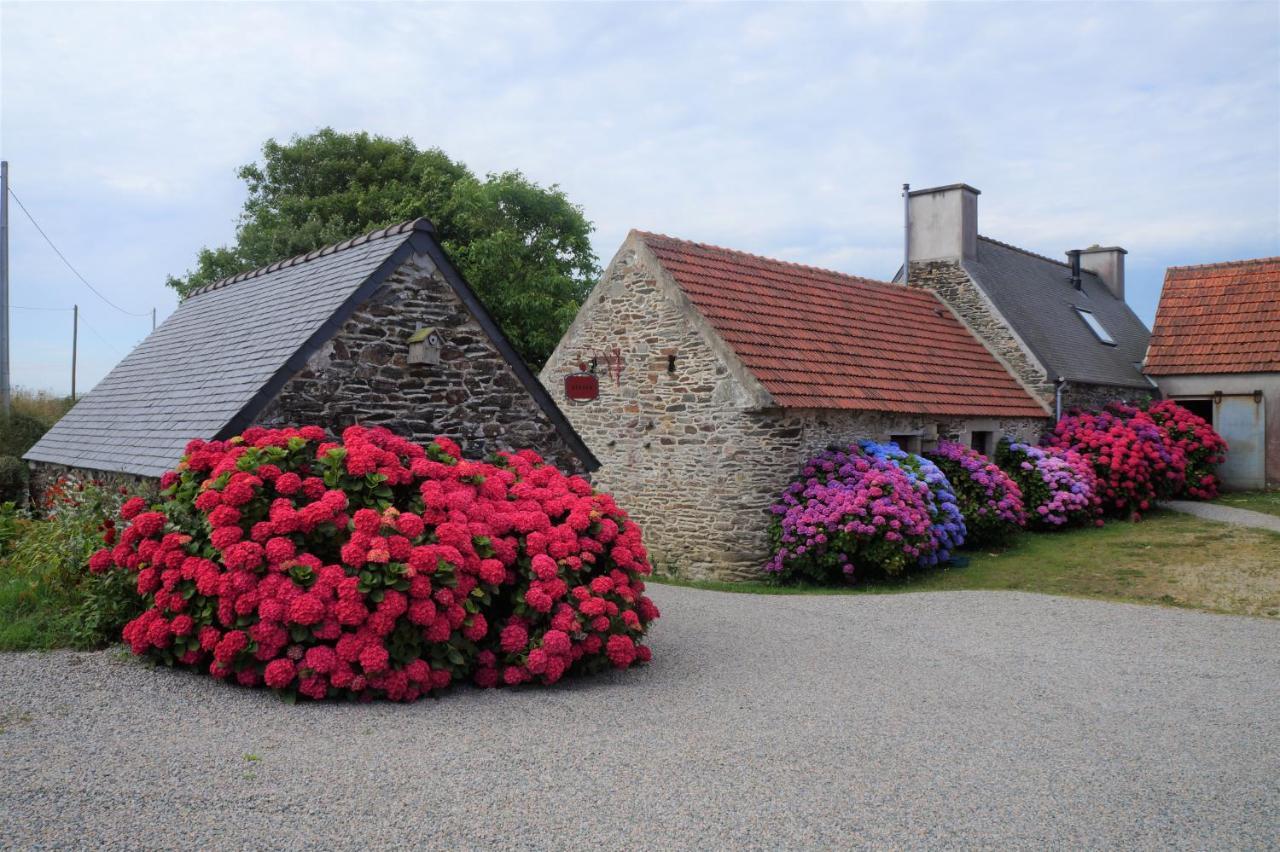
{"x": 75, "y": 338}
{"x": 4, "y": 288}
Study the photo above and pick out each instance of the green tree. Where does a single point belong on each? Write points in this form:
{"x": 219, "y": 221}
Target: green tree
{"x": 524, "y": 248}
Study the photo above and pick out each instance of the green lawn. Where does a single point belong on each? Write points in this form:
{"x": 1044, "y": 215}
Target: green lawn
{"x": 1258, "y": 501}
{"x": 1167, "y": 558}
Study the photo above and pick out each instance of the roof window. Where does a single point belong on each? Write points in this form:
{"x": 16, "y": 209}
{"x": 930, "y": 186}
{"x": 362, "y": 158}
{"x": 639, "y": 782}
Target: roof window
{"x": 1096, "y": 327}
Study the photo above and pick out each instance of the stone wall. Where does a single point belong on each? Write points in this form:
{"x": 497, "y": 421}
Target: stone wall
{"x": 44, "y": 474}
{"x": 361, "y": 376}
{"x": 1085, "y": 396}
{"x": 688, "y": 452}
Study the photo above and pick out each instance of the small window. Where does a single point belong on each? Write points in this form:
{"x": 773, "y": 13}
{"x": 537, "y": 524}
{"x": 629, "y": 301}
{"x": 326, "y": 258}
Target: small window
{"x": 907, "y": 443}
{"x": 1095, "y": 326}
{"x": 980, "y": 441}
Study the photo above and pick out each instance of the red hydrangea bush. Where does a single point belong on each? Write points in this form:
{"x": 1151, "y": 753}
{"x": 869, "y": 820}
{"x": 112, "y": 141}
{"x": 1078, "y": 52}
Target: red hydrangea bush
{"x": 375, "y": 567}
{"x": 1135, "y": 462}
{"x": 1201, "y": 446}
{"x": 989, "y": 499}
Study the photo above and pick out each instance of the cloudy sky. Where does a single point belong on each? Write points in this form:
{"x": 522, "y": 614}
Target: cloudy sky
{"x": 780, "y": 129}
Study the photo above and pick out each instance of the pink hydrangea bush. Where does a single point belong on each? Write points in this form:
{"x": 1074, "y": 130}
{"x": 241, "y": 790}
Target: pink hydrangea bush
{"x": 1059, "y": 487}
{"x": 989, "y": 499}
{"x": 375, "y": 567}
{"x": 849, "y": 515}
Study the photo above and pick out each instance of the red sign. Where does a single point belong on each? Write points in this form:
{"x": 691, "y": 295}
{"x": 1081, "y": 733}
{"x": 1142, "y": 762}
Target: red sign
{"x": 581, "y": 387}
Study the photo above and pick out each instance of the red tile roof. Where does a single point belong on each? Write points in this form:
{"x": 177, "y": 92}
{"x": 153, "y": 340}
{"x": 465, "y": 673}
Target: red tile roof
{"x": 821, "y": 339}
{"x": 1218, "y": 318}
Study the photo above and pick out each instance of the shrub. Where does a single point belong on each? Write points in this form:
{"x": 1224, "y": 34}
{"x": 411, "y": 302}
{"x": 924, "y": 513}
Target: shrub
{"x": 947, "y": 524}
{"x": 1202, "y": 447}
{"x": 1135, "y": 463}
{"x": 19, "y": 433}
{"x": 13, "y": 479}
{"x": 47, "y": 598}
{"x": 1059, "y": 487}
{"x": 375, "y": 567}
{"x": 989, "y": 499}
{"x": 849, "y": 514}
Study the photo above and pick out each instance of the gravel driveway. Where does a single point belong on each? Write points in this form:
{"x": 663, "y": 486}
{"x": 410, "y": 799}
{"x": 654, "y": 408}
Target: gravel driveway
{"x": 918, "y": 720}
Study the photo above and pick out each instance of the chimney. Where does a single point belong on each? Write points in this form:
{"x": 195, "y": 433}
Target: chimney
{"x": 1073, "y": 257}
{"x": 1108, "y": 264}
{"x": 943, "y": 223}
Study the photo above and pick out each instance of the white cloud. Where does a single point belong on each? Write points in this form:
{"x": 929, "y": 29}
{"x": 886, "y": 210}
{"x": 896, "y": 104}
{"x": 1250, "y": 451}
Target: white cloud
{"x": 776, "y": 128}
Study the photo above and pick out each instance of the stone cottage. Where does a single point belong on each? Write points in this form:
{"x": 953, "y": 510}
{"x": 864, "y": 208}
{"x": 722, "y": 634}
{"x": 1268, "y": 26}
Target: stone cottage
{"x": 1064, "y": 328}
{"x": 703, "y": 377}
{"x": 1215, "y": 349}
{"x": 377, "y": 330}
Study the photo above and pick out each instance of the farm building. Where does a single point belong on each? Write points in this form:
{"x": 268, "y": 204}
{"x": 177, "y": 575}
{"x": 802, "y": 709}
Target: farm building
{"x": 377, "y": 330}
{"x": 703, "y": 377}
{"x": 1215, "y": 349}
{"x": 1065, "y": 328}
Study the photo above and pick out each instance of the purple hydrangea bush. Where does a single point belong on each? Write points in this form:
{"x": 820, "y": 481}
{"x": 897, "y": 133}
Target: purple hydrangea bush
{"x": 989, "y": 499}
{"x": 1059, "y": 486}
{"x": 849, "y": 515}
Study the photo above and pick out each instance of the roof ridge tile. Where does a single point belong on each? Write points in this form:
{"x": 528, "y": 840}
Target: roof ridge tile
{"x": 769, "y": 260}
{"x": 1227, "y": 263}
{"x": 419, "y": 224}
{"x": 1025, "y": 251}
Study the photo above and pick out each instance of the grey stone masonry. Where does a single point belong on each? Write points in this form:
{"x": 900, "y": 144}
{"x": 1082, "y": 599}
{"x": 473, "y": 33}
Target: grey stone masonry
{"x": 954, "y": 286}
{"x": 362, "y": 376}
{"x": 681, "y": 444}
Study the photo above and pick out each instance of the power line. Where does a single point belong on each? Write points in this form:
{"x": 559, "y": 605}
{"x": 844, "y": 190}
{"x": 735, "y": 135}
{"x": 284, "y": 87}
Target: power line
{"x": 68, "y": 263}
{"x": 105, "y": 342}
{"x": 30, "y": 308}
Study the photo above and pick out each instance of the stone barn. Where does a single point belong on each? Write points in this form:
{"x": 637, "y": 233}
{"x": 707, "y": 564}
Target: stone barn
{"x": 703, "y": 377}
{"x": 1216, "y": 350}
{"x": 377, "y": 330}
{"x": 1064, "y": 327}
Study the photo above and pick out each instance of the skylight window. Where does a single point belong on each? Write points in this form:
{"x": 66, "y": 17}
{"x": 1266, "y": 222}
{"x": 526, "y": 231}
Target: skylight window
{"x": 1096, "y": 327}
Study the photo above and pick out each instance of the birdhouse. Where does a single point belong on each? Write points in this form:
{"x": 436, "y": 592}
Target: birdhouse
{"x": 424, "y": 346}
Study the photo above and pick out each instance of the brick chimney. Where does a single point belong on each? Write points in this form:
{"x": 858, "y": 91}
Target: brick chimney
{"x": 1108, "y": 264}
{"x": 943, "y": 223}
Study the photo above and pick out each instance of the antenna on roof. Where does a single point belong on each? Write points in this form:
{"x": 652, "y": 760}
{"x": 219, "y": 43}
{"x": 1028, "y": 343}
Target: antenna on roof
{"x": 906, "y": 234}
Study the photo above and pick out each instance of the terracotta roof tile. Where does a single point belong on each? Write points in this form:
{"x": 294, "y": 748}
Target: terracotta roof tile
{"x": 821, "y": 339}
{"x": 1218, "y": 318}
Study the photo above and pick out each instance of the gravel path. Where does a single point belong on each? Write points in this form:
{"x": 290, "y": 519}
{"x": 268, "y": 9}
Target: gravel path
{"x": 1225, "y": 514}
{"x": 916, "y": 720}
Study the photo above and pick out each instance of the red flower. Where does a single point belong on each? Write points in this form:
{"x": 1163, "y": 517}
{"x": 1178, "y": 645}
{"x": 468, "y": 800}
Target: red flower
{"x": 279, "y": 673}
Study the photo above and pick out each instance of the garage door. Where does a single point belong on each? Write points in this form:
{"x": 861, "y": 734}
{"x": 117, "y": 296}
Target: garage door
{"x": 1242, "y": 422}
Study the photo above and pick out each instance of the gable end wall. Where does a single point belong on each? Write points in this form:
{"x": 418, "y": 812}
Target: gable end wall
{"x": 361, "y": 376}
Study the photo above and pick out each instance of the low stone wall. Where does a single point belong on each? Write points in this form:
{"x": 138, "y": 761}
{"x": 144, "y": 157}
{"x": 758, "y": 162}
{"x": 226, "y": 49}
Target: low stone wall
{"x": 45, "y": 474}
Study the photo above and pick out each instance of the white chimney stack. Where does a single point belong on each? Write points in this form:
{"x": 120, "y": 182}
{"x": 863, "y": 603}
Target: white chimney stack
{"x": 943, "y": 223}
{"x": 1108, "y": 264}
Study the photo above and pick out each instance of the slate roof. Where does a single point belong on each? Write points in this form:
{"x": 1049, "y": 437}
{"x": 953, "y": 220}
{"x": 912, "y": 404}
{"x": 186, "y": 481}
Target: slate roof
{"x": 225, "y": 352}
{"x": 821, "y": 339}
{"x": 1218, "y": 318}
{"x": 1035, "y": 295}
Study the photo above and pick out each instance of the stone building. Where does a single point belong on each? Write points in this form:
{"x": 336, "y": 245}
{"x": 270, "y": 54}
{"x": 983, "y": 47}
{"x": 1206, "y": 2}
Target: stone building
{"x": 377, "y": 330}
{"x": 715, "y": 373}
{"x": 1064, "y": 328}
{"x": 1215, "y": 349}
